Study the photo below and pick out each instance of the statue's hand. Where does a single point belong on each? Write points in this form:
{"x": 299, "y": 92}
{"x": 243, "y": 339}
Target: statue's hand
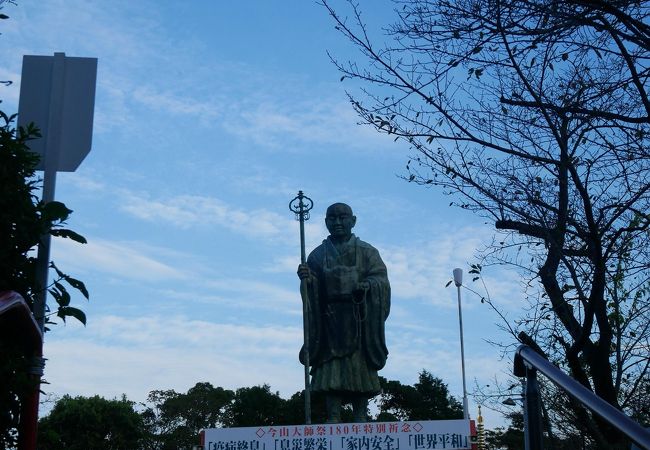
{"x": 303, "y": 272}
{"x": 363, "y": 286}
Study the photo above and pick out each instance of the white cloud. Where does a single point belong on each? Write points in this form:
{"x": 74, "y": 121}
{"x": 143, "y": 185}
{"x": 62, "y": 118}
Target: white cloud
{"x": 134, "y": 356}
{"x": 323, "y": 121}
{"x": 188, "y": 211}
{"x": 86, "y": 184}
{"x": 257, "y": 294}
{"x": 182, "y": 332}
{"x": 283, "y": 264}
{"x": 172, "y": 103}
{"x": 121, "y": 259}
{"x": 422, "y": 269}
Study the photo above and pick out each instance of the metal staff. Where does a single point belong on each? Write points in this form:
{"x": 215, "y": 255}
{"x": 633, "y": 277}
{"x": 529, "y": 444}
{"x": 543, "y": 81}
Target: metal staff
{"x": 301, "y": 205}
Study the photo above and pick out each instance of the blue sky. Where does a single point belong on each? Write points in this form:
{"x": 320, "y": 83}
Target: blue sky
{"x": 209, "y": 117}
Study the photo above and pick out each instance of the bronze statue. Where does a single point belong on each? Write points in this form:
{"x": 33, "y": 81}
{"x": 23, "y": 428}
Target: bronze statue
{"x": 349, "y": 301}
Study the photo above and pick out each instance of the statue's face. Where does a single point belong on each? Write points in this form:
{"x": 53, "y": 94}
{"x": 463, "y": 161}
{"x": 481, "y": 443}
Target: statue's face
{"x": 340, "y": 221}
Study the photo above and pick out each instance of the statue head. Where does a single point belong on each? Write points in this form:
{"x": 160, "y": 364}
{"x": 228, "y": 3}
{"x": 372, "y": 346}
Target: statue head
{"x": 339, "y": 221}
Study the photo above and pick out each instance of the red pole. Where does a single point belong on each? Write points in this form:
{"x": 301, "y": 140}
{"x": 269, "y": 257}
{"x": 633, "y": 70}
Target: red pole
{"x": 29, "y": 418}
{"x": 18, "y": 325}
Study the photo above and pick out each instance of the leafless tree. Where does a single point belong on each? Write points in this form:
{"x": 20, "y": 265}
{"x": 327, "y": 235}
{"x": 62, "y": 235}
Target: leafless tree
{"x": 534, "y": 114}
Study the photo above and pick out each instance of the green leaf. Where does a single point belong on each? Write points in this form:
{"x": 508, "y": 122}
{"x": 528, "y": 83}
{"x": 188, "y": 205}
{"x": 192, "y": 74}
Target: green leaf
{"x": 448, "y": 283}
{"x": 66, "y": 311}
{"x": 62, "y": 232}
{"x": 64, "y": 298}
{"x": 79, "y": 285}
{"x": 4, "y": 16}
{"x": 56, "y": 211}
{"x": 58, "y": 272}
{"x": 56, "y": 294}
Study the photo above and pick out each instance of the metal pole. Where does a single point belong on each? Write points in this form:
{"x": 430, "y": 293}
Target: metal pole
{"x": 51, "y": 161}
{"x": 462, "y": 358}
{"x": 533, "y": 417}
{"x": 458, "y": 281}
{"x": 301, "y": 209}
{"x": 525, "y": 408}
{"x": 526, "y": 357}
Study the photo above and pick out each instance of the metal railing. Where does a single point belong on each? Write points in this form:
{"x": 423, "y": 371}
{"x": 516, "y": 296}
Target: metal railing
{"x": 528, "y": 362}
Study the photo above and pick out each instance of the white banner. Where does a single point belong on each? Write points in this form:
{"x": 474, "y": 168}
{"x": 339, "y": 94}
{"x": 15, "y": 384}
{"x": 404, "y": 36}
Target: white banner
{"x": 413, "y": 435}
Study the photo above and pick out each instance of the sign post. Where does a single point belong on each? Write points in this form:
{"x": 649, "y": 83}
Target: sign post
{"x": 57, "y": 94}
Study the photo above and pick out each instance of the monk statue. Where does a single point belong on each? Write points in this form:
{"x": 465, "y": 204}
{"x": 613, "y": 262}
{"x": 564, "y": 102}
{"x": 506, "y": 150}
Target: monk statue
{"x": 349, "y": 301}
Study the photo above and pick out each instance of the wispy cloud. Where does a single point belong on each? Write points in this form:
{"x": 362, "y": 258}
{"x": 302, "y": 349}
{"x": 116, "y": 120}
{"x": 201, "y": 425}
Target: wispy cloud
{"x": 127, "y": 260}
{"x": 289, "y": 118}
{"x": 140, "y": 66}
{"x": 260, "y": 295}
{"x": 189, "y": 211}
{"x": 172, "y": 103}
{"x": 421, "y": 270}
{"x": 135, "y": 356}
{"x": 192, "y": 282}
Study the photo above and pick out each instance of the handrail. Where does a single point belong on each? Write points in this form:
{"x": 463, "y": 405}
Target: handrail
{"x": 526, "y": 359}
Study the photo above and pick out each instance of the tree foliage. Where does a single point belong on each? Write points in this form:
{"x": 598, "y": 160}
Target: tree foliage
{"x": 255, "y": 405}
{"x": 77, "y": 423}
{"x": 294, "y": 409}
{"x": 173, "y": 420}
{"x": 535, "y": 115}
{"x": 428, "y": 399}
{"x": 24, "y": 220}
{"x": 15, "y": 384}
{"x": 510, "y": 438}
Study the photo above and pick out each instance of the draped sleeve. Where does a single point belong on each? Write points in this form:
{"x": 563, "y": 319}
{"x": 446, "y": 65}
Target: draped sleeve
{"x": 377, "y": 307}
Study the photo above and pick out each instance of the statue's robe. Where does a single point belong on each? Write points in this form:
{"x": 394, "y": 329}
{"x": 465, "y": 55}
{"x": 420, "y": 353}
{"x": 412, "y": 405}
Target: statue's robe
{"x": 347, "y": 344}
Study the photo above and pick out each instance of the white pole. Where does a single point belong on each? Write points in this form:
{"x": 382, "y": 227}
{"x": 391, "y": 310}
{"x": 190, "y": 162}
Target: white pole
{"x": 458, "y": 281}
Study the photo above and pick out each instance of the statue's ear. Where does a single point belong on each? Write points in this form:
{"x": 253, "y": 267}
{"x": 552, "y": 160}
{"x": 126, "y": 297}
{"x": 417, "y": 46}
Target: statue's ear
{"x": 354, "y": 221}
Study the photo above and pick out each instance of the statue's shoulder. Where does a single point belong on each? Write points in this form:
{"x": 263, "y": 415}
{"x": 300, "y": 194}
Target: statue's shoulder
{"x": 366, "y": 246}
{"x": 318, "y": 252}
